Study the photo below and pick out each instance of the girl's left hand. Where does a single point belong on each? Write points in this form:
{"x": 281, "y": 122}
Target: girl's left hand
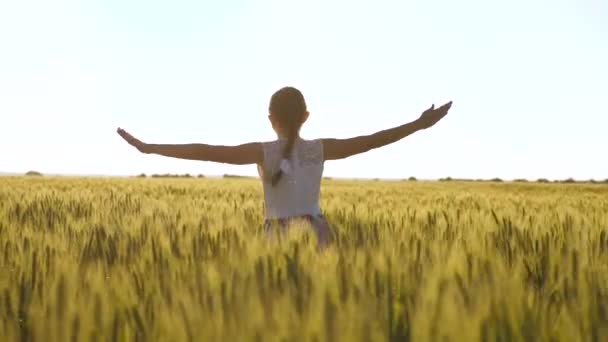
{"x": 138, "y": 144}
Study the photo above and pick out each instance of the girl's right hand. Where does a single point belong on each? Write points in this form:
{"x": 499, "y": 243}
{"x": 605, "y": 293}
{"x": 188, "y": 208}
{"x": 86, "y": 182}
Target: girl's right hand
{"x": 432, "y": 115}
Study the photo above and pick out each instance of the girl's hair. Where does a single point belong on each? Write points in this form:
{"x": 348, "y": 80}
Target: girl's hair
{"x": 287, "y": 106}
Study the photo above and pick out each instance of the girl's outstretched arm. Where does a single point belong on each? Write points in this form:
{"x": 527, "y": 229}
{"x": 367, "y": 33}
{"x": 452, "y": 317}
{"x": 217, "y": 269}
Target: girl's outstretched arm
{"x": 344, "y": 148}
{"x": 251, "y": 153}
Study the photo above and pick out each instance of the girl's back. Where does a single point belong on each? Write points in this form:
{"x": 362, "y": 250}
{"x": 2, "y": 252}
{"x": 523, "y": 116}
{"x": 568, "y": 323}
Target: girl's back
{"x": 297, "y": 193}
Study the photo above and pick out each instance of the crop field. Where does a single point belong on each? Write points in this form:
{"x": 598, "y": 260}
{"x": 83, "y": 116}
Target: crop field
{"x": 129, "y": 259}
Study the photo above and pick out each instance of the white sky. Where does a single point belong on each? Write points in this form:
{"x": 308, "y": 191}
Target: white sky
{"x": 528, "y": 81}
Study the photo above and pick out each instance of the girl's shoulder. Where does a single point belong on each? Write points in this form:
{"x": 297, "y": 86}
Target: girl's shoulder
{"x": 300, "y": 141}
{"x": 309, "y": 147}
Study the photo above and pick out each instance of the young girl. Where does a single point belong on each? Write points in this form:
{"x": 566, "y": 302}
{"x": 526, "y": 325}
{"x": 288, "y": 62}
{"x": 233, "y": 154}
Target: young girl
{"x": 291, "y": 168}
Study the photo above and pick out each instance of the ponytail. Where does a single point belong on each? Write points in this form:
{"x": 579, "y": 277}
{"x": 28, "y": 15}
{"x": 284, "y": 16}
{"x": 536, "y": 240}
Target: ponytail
{"x": 286, "y": 156}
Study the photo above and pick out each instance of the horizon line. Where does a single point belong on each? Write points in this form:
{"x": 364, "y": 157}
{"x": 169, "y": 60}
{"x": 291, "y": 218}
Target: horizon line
{"x": 228, "y": 175}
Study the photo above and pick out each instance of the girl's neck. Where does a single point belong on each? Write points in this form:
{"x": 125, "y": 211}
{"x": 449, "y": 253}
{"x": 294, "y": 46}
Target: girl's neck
{"x": 284, "y": 137}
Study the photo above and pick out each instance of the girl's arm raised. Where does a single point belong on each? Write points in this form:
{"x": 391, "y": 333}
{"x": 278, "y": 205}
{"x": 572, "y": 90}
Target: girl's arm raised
{"x": 251, "y": 153}
{"x": 344, "y": 148}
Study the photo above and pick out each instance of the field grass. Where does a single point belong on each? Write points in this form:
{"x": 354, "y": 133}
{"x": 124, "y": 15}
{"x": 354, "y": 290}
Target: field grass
{"x": 184, "y": 260}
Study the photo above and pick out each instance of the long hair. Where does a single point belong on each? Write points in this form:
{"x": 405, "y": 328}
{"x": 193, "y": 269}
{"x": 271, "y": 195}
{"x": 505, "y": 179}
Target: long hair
{"x": 287, "y": 106}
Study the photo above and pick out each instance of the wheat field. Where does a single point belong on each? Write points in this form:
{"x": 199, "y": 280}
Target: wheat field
{"x": 128, "y": 259}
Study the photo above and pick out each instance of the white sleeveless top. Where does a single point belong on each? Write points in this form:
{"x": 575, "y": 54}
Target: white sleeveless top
{"x": 297, "y": 193}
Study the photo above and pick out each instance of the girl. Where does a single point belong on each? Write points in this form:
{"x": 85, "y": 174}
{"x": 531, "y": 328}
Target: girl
{"x": 291, "y": 168}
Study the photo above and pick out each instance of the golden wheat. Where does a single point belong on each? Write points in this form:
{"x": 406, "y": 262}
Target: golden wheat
{"x": 185, "y": 260}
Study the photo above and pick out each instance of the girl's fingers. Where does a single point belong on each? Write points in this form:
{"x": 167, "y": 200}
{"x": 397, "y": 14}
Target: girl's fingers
{"x": 122, "y": 132}
{"x": 128, "y": 137}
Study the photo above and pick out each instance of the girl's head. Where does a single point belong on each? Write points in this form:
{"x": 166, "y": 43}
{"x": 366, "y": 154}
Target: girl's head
{"x": 287, "y": 111}
{"x": 287, "y": 115}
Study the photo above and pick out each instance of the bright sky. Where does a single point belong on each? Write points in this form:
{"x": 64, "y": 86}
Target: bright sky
{"x": 528, "y": 81}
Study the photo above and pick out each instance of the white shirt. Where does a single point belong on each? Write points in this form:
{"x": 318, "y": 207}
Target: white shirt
{"x": 297, "y": 193}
